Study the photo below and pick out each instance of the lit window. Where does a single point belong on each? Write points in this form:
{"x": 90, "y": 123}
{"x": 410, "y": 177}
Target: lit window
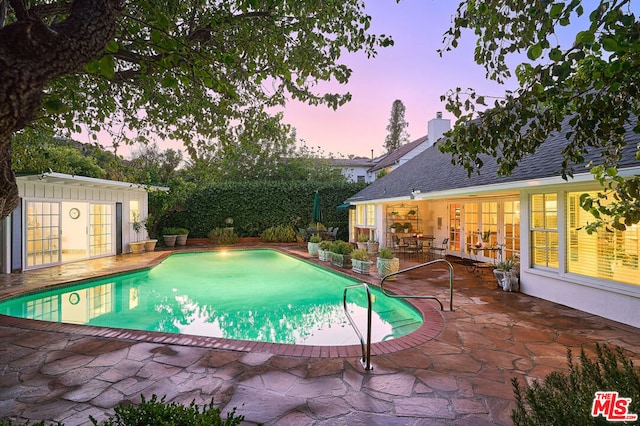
{"x": 544, "y": 230}
{"x": 608, "y": 255}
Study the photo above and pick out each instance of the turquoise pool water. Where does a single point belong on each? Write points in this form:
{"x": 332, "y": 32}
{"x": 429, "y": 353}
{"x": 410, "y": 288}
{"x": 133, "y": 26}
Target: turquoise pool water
{"x": 258, "y": 295}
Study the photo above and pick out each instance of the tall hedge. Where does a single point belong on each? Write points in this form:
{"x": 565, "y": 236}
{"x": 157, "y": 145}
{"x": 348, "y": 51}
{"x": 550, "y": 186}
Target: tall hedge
{"x": 255, "y": 206}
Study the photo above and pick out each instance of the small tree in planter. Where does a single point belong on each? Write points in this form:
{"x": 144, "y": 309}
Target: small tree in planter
{"x": 360, "y": 262}
{"x": 181, "y": 236}
{"x": 341, "y": 254}
{"x": 387, "y": 262}
{"x": 312, "y": 245}
{"x": 137, "y": 246}
{"x": 505, "y": 275}
{"x": 324, "y": 251}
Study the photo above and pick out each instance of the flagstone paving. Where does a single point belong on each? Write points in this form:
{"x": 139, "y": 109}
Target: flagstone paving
{"x": 460, "y": 377}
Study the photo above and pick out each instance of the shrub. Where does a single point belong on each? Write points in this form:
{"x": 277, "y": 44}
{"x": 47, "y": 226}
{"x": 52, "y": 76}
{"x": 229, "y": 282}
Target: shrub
{"x": 360, "y": 254}
{"x": 222, "y": 236}
{"x": 568, "y": 399}
{"x": 386, "y": 253}
{"x": 325, "y": 245}
{"x": 341, "y": 247}
{"x": 154, "y": 412}
{"x": 315, "y": 238}
{"x": 316, "y": 225}
{"x": 279, "y": 234}
{"x": 362, "y": 238}
{"x": 175, "y": 231}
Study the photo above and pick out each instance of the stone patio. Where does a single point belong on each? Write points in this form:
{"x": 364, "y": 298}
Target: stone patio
{"x": 462, "y": 376}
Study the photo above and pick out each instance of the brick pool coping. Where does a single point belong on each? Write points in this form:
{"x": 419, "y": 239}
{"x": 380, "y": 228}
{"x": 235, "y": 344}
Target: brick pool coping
{"x": 432, "y": 326}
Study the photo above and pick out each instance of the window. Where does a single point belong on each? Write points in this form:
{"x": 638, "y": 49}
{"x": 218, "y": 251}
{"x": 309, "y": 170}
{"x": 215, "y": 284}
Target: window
{"x": 134, "y": 210}
{"x": 361, "y": 178}
{"x": 544, "y": 230}
{"x": 511, "y": 229}
{"x": 608, "y": 255}
{"x": 366, "y": 215}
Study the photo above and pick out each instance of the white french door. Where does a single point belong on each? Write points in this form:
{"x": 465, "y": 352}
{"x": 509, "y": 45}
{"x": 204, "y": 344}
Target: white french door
{"x": 42, "y": 233}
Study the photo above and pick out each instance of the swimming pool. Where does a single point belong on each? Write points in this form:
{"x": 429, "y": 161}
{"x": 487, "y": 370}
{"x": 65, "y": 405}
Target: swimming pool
{"x": 256, "y": 295}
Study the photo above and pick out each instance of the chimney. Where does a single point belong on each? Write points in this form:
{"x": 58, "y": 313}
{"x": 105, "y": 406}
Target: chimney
{"x": 372, "y": 154}
{"x": 436, "y": 127}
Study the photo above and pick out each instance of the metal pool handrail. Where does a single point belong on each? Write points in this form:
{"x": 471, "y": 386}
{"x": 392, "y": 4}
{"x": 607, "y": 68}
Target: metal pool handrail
{"x": 422, "y": 265}
{"x": 366, "y": 348}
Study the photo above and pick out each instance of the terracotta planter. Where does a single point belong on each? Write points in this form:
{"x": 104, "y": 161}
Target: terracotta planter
{"x": 372, "y": 248}
{"x": 150, "y": 245}
{"x": 388, "y": 266}
{"x": 169, "y": 240}
{"x": 137, "y": 247}
{"x": 361, "y": 266}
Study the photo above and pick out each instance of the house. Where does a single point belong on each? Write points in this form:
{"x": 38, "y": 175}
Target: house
{"x": 533, "y": 215}
{"x": 63, "y": 218}
{"x": 355, "y": 169}
{"x": 362, "y": 169}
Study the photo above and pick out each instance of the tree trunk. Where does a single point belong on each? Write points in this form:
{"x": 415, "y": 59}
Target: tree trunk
{"x": 31, "y": 55}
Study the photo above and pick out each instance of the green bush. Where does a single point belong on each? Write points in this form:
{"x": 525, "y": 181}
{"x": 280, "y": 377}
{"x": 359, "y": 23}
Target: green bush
{"x": 315, "y": 238}
{"x": 154, "y": 412}
{"x": 175, "y": 231}
{"x": 279, "y": 234}
{"x": 386, "y": 253}
{"x": 203, "y": 208}
{"x": 157, "y": 412}
{"x": 341, "y": 247}
{"x": 325, "y": 245}
{"x": 222, "y": 236}
{"x": 567, "y": 399}
{"x": 360, "y": 254}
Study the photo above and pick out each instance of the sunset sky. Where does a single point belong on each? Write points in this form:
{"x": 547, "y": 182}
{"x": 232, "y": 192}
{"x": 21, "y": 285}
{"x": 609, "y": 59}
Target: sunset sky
{"x": 411, "y": 71}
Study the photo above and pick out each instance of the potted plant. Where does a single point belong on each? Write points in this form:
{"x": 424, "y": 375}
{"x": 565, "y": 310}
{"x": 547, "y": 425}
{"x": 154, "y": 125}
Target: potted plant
{"x": 324, "y": 251}
{"x": 169, "y": 236}
{"x": 341, "y": 254}
{"x": 407, "y": 227}
{"x": 411, "y": 213}
{"x": 149, "y": 244}
{"x": 387, "y": 262}
{"x": 360, "y": 262}
{"x": 372, "y": 247}
{"x": 485, "y": 238}
{"x": 506, "y": 275}
{"x": 137, "y": 246}
{"x": 394, "y": 227}
{"x": 362, "y": 241}
{"x": 312, "y": 245}
{"x": 181, "y": 236}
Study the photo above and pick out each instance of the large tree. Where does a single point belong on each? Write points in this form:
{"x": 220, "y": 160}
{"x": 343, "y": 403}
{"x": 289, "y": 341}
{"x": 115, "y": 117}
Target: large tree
{"x": 397, "y": 128}
{"x": 186, "y": 70}
{"x": 591, "y": 85}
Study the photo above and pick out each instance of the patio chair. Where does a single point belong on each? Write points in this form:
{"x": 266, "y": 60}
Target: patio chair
{"x": 398, "y": 246}
{"x": 413, "y": 246}
{"x": 332, "y": 233}
{"x": 439, "y": 250}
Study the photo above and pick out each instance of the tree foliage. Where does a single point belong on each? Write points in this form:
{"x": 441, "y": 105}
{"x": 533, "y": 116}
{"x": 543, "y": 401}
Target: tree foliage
{"x": 192, "y": 71}
{"x": 397, "y": 128}
{"x": 592, "y": 85}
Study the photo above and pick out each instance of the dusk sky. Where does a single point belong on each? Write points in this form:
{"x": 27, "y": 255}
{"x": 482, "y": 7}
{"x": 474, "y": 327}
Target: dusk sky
{"x": 411, "y": 71}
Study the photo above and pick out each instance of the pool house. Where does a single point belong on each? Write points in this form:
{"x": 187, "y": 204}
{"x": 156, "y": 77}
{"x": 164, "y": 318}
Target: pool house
{"x": 533, "y": 216}
{"x": 63, "y": 218}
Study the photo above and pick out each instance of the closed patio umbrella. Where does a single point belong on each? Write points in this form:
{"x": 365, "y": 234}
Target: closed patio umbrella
{"x": 316, "y": 215}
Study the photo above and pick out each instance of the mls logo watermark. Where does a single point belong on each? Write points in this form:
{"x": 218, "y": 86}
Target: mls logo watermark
{"x": 612, "y": 407}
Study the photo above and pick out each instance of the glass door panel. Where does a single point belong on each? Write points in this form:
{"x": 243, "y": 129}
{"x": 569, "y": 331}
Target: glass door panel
{"x": 100, "y": 229}
{"x": 43, "y": 233}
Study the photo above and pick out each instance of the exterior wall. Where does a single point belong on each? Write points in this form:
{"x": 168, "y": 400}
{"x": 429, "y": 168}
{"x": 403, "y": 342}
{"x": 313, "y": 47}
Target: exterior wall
{"x": 80, "y": 194}
{"x": 609, "y": 299}
{"x": 352, "y": 173}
